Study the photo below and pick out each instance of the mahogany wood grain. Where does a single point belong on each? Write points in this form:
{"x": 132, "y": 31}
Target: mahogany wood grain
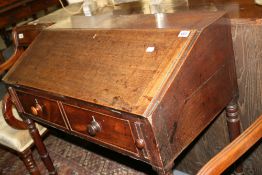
{"x": 219, "y": 163}
{"x": 26, "y": 155}
{"x": 40, "y": 146}
{"x": 136, "y": 123}
{"x": 50, "y": 110}
{"x": 233, "y": 123}
{"x": 29, "y": 162}
{"x": 194, "y": 101}
{"x": 8, "y": 114}
{"x": 168, "y": 88}
{"x": 113, "y": 131}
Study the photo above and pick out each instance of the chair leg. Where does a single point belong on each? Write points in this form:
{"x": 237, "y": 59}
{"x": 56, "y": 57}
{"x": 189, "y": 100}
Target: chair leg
{"x": 40, "y": 147}
{"x": 233, "y": 123}
{"x": 29, "y": 162}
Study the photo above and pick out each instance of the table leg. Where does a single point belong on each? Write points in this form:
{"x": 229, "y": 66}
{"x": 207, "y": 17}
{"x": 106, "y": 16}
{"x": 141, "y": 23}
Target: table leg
{"x": 233, "y": 123}
{"x": 40, "y": 146}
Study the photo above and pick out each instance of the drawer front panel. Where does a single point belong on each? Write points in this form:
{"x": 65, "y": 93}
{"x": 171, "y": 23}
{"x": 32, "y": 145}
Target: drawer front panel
{"x": 49, "y": 108}
{"x": 113, "y": 131}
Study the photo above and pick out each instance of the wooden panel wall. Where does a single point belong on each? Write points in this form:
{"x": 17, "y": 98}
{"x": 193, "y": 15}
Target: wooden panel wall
{"x": 247, "y": 39}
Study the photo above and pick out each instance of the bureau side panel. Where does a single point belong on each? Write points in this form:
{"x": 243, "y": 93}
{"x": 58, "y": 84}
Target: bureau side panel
{"x": 204, "y": 85}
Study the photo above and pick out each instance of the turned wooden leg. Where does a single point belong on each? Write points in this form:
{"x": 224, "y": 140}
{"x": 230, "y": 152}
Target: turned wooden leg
{"x": 40, "y": 146}
{"x": 29, "y": 161}
{"x": 233, "y": 123}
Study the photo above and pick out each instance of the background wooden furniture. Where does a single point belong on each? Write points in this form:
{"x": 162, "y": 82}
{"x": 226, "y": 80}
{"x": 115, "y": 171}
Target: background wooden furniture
{"x": 14, "y": 11}
{"x": 225, "y": 158}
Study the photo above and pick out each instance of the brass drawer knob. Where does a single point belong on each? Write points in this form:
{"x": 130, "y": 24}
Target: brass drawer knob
{"x": 140, "y": 143}
{"x": 93, "y": 128}
{"x": 37, "y": 109}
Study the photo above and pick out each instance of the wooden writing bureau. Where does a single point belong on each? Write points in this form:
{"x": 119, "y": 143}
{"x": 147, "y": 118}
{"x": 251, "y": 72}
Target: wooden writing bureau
{"x": 142, "y": 85}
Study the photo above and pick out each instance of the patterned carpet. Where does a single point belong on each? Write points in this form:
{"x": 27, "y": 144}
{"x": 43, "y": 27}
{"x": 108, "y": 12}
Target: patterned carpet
{"x": 80, "y": 158}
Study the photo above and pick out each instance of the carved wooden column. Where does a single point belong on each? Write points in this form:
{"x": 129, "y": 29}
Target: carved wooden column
{"x": 29, "y": 162}
{"x": 40, "y": 146}
{"x": 233, "y": 123}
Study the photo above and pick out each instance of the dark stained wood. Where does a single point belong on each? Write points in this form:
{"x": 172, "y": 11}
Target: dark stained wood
{"x": 113, "y": 130}
{"x": 8, "y": 115}
{"x": 78, "y": 115}
{"x": 194, "y": 102}
{"x": 233, "y": 124}
{"x": 29, "y": 162}
{"x": 142, "y": 81}
{"x": 219, "y": 163}
{"x": 112, "y": 84}
{"x": 14, "y": 11}
{"x": 26, "y": 155}
{"x": 40, "y": 147}
{"x": 50, "y": 110}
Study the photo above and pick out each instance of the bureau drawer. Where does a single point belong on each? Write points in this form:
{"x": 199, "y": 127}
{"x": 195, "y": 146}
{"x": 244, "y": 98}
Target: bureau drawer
{"x": 104, "y": 128}
{"x": 43, "y": 108}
